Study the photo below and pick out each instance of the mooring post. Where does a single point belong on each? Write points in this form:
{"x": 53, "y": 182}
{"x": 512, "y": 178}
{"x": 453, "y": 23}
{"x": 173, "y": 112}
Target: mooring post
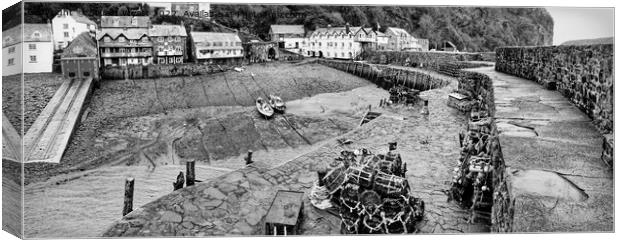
{"x": 321, "y": 174}
{"x": 190, "y": 171}
{"x": 180, "y": 181}
{"x": 248, "y": 158}
{"x": 128, "y": 204}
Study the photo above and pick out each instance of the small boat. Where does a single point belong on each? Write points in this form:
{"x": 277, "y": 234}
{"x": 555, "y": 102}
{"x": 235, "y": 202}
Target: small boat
{"x": 276, "y": 103}
{"x": 263, "y": 107}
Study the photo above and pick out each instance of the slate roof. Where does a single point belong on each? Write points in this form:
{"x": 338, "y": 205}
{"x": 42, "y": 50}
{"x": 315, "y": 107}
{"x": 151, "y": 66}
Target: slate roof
{"x": 82, "y": 46}
{"x": 14, "y": 35}
{"x": 200, "y": 37}
{"x": 129, "y": 33}
{"x": 288, "y": 29}
{"x": 399, "y": 31}
{"x": 167, "y": 30}
{"x": 336, "y": 30}
{"x": 81, "y": 18}
{"x": 124, "y": 21}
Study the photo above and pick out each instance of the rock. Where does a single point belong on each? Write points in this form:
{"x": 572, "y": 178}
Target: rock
{"x": 245, "y": 185}
{"x": 170, "y": 216}
{"x": 254, "y": 218}
{"x": 187, "y": 225}
{"x": 257, "y": 180}
{"x": 234, "y": 177}
{"x": 244, "y": 228}
{"x": 226, "y": 187}
{"x": 211, "y": 204}
{"x": 214, "y": 193}
{"x": 189, "y": 207}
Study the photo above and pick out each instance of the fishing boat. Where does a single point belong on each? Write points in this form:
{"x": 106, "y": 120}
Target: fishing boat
{"x": 263, "y": 107}
{"x": 276, "y": 103}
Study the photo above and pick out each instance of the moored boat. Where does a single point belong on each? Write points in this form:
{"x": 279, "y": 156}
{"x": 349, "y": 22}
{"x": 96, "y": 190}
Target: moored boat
{"x": 263, "y": 107}
{"x": 277, "y": 104}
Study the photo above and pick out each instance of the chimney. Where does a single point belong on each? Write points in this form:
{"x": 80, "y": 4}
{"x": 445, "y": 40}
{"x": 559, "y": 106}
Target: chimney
{"x": 347, "y": 27}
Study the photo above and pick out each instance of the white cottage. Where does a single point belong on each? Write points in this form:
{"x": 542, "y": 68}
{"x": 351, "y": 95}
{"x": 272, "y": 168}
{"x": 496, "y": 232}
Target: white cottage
{"x": 67, "y": 25}
{"x": 38, "y": 50}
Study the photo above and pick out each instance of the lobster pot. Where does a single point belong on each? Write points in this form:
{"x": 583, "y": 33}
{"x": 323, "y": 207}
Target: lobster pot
{"x": 391, "y": 185}
{"x": 361, "y": 176}
{"x": 371, "y": 162}
{"x": 335, "y": 179}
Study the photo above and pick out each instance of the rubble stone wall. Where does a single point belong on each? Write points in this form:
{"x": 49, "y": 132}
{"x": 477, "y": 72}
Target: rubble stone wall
{"x": 583, "y": 74}
{"x": 385, "y": 76}
{"x": 480, "y": 86}
{"x": 430, "y": 60}
{"x": 160, "y": 70}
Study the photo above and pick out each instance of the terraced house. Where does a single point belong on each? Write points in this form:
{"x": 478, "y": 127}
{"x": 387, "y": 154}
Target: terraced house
{"x": 216, "y": 47}
{"x": 343, "y": 42}
{"x": 124, "y": 40}
{"x": 67, "y": 25}
{"x": 37, "y": 45}
{"x": 169, "y": 43}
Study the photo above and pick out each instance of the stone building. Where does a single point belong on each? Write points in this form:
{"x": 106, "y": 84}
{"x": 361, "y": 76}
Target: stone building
{"x": 124, "y": 40}
{"x": 169, "y": 43}
{"x": 289, "y": 37}
{"x": 79, "y": 58}
{"x": 216, "y": 47}
{"x": 67, "y": 25}
{"x": 400, "y": 39}
{"x": 38, "y": 49}
{"x": 334, "y": 42}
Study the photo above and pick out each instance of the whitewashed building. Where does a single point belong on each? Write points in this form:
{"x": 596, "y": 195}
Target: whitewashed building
{"x": 33, "y": 51}
{"x": 289, "y": 37}
{"x": 67, "y": 25}
{"x": 216, "y": 47}
{"x": 400, "y": 39}
{"x": 333, "y": 42}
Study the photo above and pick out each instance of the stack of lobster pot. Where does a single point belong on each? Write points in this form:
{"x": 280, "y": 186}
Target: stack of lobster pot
{"x": 372, "y": 193}
{"x": 472, "y": 180}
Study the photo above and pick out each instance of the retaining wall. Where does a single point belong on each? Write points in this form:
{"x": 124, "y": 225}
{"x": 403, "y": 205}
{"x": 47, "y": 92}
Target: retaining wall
{"x": 430, "y": 60}
{"x": 583, "y": 74}
{"x": 386, "y": 76}
{"x": 160, "y": 70}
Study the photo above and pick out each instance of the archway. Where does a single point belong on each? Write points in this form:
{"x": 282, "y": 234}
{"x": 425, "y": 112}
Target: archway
{"x": 313, "y": 54}
{"x": 320, "y": 54}
{"x": 271, "y": 53}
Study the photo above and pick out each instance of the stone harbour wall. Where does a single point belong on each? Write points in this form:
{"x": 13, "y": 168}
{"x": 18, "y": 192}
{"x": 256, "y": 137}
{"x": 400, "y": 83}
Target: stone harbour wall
{"x": 160, "y": 70}
{"x": 583, "y": 74}
{"x": 477, "y": 86}
{"x": 430, "y": 60}
{"x": 386, "y": 76}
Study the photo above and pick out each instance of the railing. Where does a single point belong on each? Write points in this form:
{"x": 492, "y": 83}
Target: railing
{"x": 126, "y": 54}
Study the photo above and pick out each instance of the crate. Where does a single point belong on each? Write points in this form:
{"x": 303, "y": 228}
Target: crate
{"x": 285, "y": 214}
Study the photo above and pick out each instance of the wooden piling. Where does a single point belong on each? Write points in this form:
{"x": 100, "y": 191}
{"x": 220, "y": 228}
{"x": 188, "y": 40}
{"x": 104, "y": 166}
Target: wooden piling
{"x": 128, "y": 203}
{"x": 190, "y": 171}
{"x": 180, "y": 181}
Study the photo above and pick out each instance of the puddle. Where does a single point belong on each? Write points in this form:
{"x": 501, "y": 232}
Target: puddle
{"x": 349, "y": 103}
{"x": 545, "y": 183}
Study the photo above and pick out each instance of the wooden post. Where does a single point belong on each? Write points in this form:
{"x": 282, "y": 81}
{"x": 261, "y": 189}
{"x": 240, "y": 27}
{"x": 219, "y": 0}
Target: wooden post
{"x": 128, "y": 204}
{"x": 180, "y": 181}
{"x": 322, "y": 174}
{"x": 191, "y": 175}
{"x": 248, "y": 158}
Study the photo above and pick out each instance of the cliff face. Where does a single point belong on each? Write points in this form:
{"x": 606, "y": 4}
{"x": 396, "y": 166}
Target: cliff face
{"x": 469, "y": 28}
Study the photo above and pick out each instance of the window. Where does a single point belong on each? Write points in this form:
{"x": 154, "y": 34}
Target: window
{"x": 71, "y": 74}
{"x": 11, "y": 49}
{"x": 121, "y": 39}
{"x": 33, "y": 58}
{"x": 122, "y": 50}
{"x": 36, "y": 35}
{"x": 11, "y": 62}
{"x": 161, "y": 60}
{"x": 66, "y": 34}
{"x": 170, "y": 39}
{"x": 133, "y": 50}
{"x": 107, "y": 50}
{"x": 178, "y": 39}
{"x": 160, "y": 39}
{"x": 133, "y": 41}
{"x": 161, "y": 48}
{"x": 179, "y": 60}
{"x": 65, "y": 26}
{"x": 86, "y": 74}
{"x": 107, "y": 39}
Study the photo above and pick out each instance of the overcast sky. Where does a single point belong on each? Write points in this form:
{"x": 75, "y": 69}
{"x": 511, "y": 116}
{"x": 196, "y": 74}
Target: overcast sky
{"x": 572, "y": 23}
